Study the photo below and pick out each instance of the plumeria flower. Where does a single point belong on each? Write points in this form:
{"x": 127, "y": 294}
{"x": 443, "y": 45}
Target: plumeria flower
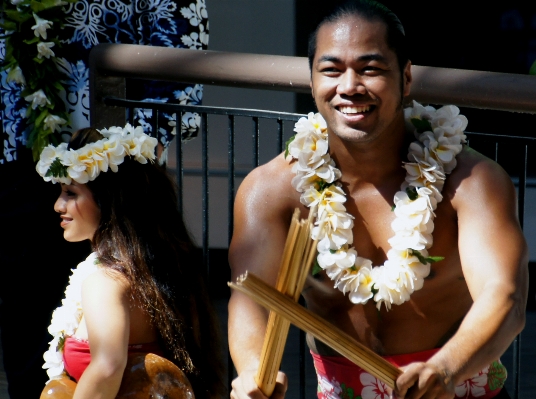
{"x": 15, "y": 75}
{"x": 38, "y": 99}
{"x": 53, "y": 123}
{"x": 41, "y": 26}
{"x": 44, "y": 50}
{"x": 359, "y": 282}
{"x": 314, "y": 122}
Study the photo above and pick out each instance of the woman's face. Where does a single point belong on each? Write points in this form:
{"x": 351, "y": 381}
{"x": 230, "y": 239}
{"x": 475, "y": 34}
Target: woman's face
{"x": 79, "y": 212}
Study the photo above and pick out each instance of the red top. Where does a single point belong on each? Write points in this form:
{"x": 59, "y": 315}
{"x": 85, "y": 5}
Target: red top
{"x": 76, "y": 354}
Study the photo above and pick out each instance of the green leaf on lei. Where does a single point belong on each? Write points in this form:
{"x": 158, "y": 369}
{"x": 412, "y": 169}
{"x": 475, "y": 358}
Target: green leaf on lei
{"x": 290, "y": 140}
{"x": 422, "y": 125}
{"x": 61, "y": 343}
{"x": 496, "y": 376}
{"x": 423, "y": 260}
{"x": 412, "y": 193}
{"x": 322, "y": 185}
{"x": 57, "y": 169}
{"x": 316, "y": 268}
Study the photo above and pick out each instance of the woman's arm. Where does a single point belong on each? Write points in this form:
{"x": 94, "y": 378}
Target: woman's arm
{"x": 105, "y": 302}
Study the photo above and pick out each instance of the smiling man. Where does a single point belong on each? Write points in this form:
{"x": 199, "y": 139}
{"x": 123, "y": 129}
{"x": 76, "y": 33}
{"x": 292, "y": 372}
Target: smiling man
{"x": 420, "y": 285}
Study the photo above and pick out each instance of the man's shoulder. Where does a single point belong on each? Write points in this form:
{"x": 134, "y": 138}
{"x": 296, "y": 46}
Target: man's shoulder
{"x": 276, "y": 173}
{"x": 476, "y": 172}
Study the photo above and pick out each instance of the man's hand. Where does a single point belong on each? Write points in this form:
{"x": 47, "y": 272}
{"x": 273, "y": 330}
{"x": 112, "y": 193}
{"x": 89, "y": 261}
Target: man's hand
{"x": 244, "y": 386}
{"x": 423, "y": 380}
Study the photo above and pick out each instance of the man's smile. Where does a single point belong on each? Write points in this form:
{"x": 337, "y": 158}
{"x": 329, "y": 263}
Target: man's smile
{"x": 354, "y": 109}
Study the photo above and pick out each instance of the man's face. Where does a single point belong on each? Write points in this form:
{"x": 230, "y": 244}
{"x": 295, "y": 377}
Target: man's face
{"x": 355, "y": 80}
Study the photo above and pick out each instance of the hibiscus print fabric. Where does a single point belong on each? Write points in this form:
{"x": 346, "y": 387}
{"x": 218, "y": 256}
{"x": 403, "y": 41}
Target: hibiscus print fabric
{"x": 338, "y": 378}
{"x": 169, "y": 23}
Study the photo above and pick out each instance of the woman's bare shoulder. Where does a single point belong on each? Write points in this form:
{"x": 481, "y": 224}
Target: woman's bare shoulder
{"x": 105, "y": 280}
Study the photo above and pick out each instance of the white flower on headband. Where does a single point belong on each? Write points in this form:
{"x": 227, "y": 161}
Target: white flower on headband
{"x": 57, "y": 164}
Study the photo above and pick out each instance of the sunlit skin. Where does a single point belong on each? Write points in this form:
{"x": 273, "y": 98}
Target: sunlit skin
{"x": 471, "y": 305}
{"x": 79, "y": 213}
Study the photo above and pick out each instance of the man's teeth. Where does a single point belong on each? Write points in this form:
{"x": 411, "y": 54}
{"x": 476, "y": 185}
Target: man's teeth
{"x": 354, "y": 109}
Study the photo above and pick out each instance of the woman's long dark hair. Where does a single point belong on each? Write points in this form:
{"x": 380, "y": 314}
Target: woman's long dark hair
{"x": 142, "y": 235}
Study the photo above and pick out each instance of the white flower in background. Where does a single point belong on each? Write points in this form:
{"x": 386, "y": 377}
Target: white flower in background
{"x": 16, "y": 75}
{"x": 54, "y": 122}
{"x": 41, "y": 26}
{"x": 44, "y": 50}
{"x": 16, "y": 2}
{"x": 440, "y": 137}
{"x": 37, "y": 99}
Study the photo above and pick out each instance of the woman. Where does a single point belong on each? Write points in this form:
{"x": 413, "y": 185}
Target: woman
{"x": 140, "y": 290}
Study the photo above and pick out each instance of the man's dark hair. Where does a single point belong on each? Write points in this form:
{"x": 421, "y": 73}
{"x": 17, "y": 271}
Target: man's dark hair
{"x": 371, "y": 11}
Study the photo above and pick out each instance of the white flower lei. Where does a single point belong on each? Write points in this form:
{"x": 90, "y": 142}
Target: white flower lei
{"x": 440, "y": 134}
{"x": 66, "y": 318}
{"x": 57, "y": 164}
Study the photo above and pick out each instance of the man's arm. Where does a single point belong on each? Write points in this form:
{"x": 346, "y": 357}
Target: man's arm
{"x": 263, "y": 210}
{"x": 494, "y": 260}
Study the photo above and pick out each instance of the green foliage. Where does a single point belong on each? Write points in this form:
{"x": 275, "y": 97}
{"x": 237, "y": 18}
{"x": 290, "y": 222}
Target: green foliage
{"x": 39, "y": 73}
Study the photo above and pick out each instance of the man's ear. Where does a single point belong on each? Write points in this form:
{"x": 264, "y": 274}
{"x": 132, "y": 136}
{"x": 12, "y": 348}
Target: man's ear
{"x": 407, "y": 79}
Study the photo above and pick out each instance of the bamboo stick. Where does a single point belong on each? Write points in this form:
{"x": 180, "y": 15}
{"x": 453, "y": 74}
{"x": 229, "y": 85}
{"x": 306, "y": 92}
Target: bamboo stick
{"x": 295, "y": 265}
{"x": 324, "y": 331}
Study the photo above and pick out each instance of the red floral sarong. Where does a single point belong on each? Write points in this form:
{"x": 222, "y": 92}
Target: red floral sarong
{"x": 339, "y": 378}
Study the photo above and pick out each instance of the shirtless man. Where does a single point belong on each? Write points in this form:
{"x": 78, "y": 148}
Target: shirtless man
{"x": 472, "y": 303}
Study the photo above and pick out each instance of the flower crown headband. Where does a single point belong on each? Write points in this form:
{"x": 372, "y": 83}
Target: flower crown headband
{"x": 59, "y": 164}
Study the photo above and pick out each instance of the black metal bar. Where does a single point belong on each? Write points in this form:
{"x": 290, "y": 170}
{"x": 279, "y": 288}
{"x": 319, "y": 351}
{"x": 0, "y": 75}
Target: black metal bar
{"x": 130, "y": 115}
{"x": 516, "y": 367}
{"x": 252, "y": 113}
{"x": 179, "y": 171}
{"x": 255, "y": 141}
{"x": 205, "y": 202}
{"x": 230, "y": 210}
{"x": 280, "y": 135}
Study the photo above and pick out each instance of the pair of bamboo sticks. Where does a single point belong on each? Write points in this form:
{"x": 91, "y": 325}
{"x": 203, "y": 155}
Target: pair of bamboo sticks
{"x": 298, "y": 256}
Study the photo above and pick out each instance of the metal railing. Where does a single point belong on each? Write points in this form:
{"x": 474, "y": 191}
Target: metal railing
{"x": 111, "y": 64}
